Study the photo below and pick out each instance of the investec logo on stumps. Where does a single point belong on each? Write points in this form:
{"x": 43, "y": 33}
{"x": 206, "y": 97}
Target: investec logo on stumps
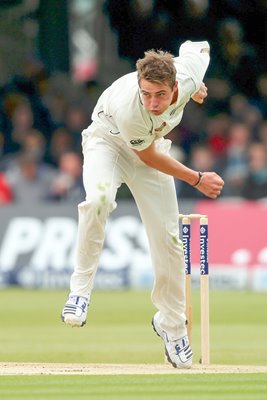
{"x": 186, "y": 247}
{"x": 204, "y": 266}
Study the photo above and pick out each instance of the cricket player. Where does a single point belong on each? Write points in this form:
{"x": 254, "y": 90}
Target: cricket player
{"x": 126, "y": 143}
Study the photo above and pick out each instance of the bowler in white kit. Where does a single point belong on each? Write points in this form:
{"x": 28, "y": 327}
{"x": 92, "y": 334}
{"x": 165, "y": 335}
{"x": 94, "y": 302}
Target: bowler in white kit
{"x": 125, "y": 143}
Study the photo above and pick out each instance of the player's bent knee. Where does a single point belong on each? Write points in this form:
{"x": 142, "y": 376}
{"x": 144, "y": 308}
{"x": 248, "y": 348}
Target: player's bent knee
{"x": 99, "y": 206}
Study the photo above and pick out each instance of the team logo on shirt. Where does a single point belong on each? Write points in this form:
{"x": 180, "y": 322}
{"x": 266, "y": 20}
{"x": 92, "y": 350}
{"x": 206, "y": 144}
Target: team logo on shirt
{"x": 136, "y": 142}
{"x": 173, "y": 111}
{"x": 162, "y": 126}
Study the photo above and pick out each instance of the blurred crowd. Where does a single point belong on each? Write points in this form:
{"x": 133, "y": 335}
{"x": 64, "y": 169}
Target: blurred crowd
{"x": 42, "y": 116}
{"x": 41, "y": 119}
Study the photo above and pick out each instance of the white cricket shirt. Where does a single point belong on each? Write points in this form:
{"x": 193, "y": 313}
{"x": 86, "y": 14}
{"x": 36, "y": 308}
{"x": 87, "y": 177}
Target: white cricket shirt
{"x": 120, "y": 111}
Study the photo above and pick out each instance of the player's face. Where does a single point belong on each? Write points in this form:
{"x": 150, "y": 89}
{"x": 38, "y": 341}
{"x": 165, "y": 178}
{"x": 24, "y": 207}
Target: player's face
{"x": 157, "y": 97}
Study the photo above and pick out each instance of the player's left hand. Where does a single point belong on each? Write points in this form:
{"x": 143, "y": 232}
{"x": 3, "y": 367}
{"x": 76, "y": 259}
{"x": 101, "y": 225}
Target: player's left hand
{"x": 201, "y": 94}
{"x": 211, "y": 185}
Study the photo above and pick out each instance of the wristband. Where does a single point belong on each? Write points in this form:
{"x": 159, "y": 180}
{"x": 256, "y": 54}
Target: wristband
{"x": 200, "y": 174}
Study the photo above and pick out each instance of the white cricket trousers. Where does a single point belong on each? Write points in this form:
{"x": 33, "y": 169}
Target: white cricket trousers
{"x": 107, "y": 163}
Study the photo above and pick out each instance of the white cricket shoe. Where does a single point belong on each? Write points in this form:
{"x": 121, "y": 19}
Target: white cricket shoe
{"x": 75, "y": 311}
{"x": 178, "y": 351}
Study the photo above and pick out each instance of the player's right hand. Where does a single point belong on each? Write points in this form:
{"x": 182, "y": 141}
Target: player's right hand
{"x": 201, "y": 94}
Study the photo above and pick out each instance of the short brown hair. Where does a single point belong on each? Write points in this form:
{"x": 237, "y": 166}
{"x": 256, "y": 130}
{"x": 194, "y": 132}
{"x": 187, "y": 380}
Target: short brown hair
{"x": 156, "y": 66}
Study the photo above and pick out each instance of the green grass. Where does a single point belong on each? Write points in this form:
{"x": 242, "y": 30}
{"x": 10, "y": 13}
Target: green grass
{"x": 118, "y": 330}
{"x": 167, "y": 387}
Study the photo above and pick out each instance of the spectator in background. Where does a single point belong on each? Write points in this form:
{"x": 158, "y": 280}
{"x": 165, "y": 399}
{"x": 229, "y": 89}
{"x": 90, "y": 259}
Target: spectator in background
{"x": 255, "y": 184}
{"x": 33, "y": 144}
{"x": 29, "y": 180}
{"x": 243, "y": 110}
{"x": 61, "y": 96}
{"x": 67, "y": 183}
{"x": 23, "y": 88}
{"x": 76, "y": 118}
{"x": 61, "y": 142}
{"x": 201, "y": 159}
{"x": 217, "y": 134}
{"x": 236, "y": 160}
{"x": 20, "y": 120}
{"x": 238, "y": 107}
{"x": 56, "y": 96}
{"x": 253, "y": 119}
